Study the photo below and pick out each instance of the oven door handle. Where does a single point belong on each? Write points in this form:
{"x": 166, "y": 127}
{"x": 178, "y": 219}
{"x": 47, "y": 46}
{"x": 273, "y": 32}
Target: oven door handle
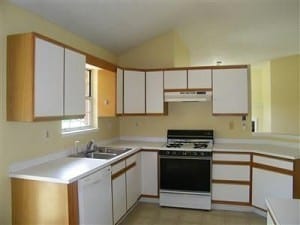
{"x": 185, "y": 157}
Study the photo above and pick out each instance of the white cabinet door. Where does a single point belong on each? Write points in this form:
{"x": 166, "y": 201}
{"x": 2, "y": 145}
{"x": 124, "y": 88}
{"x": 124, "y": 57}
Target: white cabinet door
{"x": 134, "y": 92}
{"x": 74, "y": 103}
{"x": 48, "y": 79}
{"x": 119, "y": 91}
{"x": 133, "y": 180}
{"x": 149, "y": 164}
{"x": 175, "y": 79}
{"x": 154, "y": 92}
{"x": 119, "y": 197}
{"x": 266, "y": 184}
{"x": 199, "y": 79}
{"x": 230, "y": 91}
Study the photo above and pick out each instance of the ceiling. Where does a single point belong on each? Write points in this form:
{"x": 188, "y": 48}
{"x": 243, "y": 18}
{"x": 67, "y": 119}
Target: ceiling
{"x": 233, "y": 31}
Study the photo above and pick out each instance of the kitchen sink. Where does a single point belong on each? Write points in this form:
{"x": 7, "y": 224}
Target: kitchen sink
{"x": 102, "y": 153}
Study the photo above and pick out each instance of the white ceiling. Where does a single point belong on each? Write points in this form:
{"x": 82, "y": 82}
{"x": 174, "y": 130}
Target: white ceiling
{"x": 234, "y": 31}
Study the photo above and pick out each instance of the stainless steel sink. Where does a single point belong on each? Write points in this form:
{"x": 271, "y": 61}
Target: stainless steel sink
{"x": 102, "y": 153}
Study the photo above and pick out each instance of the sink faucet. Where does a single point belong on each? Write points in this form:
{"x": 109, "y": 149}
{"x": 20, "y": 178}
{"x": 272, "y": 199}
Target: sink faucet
{"x": 90, "y": 146}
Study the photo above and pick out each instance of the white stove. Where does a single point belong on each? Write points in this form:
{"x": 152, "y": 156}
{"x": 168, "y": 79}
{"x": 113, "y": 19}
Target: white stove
{"x": 185, "y": 169}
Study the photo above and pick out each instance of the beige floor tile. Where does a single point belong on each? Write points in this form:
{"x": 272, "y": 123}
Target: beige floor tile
{"x": 152, "y": 214}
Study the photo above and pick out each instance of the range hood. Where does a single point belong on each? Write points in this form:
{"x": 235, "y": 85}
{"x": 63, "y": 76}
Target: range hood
{"x": 188, "y": 96}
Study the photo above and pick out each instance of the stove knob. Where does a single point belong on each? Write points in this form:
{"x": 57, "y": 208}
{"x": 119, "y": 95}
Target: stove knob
{"x": 167, "y": 152}
{"x": 184, "y": 153}
{"x": 174, "y": 153}
{"x": 202, "y": 153}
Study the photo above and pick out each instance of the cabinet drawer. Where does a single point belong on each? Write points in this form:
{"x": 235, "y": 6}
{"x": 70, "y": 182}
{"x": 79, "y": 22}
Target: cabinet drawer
{"x": 231, "y": 157}
{"x": 230, "y": 192}
{"x": 130, "y": 160}
{"x": 118, "y": 167}
{"x": 283, "y": 164}
{"x": 231, "y": 172}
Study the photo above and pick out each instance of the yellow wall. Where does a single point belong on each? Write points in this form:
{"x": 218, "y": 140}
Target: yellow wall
{"x": 164, "y": 51}
{"x": 23, "y": 141}
{"x": 284, "y": 95}
{"x": 261, "y": 96}
{"x": 184, "y": 115}
{"x": 181, "y": 52}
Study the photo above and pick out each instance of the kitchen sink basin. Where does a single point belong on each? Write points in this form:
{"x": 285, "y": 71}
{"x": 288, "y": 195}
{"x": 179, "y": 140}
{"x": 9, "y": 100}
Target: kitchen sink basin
{"x": 102, "y": 153}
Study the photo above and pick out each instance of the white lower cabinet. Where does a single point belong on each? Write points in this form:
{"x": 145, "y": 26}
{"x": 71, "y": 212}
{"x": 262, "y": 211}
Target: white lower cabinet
{"x": 266, "y": 184}
{"x": 126, "y": 185}
{"x": 149, "y": 170}
{"x": 118, "y": 190}
{"x": 133, "y": 179}
{"x": 271, "y": 177}
{"x": 231, "y": 193}
{"x": 231, "y": 178}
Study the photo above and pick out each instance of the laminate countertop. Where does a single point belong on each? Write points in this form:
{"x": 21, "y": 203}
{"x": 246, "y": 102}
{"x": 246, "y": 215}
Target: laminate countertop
{"x": 69, "y": 169}
{"x": 284, "y": 211}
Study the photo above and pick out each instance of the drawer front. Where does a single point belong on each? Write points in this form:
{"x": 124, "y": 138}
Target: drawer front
{"x": 283, "y": 164}
{"x": 231, "y": 172}
{"x": 118, "y": 167}
{"x": 231, "y": 157}
{"x": 230, "y": 192}
{"x": 132, "y": 159}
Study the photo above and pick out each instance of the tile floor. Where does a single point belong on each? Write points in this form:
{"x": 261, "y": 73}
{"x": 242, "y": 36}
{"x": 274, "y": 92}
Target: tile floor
{"x": 152, "y": 214}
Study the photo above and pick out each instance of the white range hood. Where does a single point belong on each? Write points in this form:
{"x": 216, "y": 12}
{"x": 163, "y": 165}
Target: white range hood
{"x": 188, "y": 96}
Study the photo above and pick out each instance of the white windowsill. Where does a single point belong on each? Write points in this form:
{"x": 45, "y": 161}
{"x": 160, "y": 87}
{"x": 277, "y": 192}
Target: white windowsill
{"x": 79, "y": 131}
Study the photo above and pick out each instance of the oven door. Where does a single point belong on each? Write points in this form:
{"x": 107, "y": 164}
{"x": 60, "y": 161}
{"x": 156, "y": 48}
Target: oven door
{"x": 185, "y": 174}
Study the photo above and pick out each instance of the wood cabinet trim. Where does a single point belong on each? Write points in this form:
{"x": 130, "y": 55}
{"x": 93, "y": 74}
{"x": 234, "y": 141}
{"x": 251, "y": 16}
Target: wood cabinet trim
{"x": 73, "y": 203}
{"x": 231, "y": 203}
{"x": 296, "y": 179}
{"x": 90, "y": 59}
{"x": 234, "y": 182}
{"x": 257, "y": 207}
{"x": 233, "y": 163}
{"x": 272, "y": 169}
{"x": 273, "y": 157}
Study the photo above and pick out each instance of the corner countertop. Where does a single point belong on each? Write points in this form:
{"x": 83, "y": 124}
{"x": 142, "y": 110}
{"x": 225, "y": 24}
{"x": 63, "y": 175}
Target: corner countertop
{"x": 69, "y": 169}
{"x": 273, "y": 150}
{"x": 284, "y": 211}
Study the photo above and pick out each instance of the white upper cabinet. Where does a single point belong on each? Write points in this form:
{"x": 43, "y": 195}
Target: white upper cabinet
{"x": 74, "y": 83}
{"x": 134, "y": 92}
{"x": 119, "y": 91}
{"x": 175, "y": 79}
{"x": 48, "y": 79}
{"x": 230, "y": 91}
{"x": 154, "y": 92}
{"x": 199, "y": 79}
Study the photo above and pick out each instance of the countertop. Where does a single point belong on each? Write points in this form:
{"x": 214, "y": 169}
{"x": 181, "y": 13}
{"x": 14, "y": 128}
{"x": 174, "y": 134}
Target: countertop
{"x": 69, "y": 169}
{"x": 284, "y": 211}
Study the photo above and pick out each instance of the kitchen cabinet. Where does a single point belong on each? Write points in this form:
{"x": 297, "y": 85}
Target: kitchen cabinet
{"x": 149, "y": 170}
{"x": 74, "y": 84}
{"x": 199, "y": 79}
{"x": 120, "y": 91}
{"x": 175, "y": 79}
{"x": 106, "y": 93}
{"x": 119, "y": 190}
{"x": 133, "y": 179}
{"x": 271, "y": 177}
{"x": 45, "y": 81}
{"x": 230, "y": 91}
{"x": 155, "y": 92}
{"x": 30, "y": 202}
{"x": 231, "y": 178}
{"x": 134, "y": 92}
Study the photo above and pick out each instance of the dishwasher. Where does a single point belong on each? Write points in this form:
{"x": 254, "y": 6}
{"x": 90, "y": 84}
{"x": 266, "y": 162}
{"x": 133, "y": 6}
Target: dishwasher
{"x": 95, "y": 198}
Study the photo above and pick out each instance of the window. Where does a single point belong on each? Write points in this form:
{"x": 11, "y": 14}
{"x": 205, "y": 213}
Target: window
{"x": 86, "y": 123}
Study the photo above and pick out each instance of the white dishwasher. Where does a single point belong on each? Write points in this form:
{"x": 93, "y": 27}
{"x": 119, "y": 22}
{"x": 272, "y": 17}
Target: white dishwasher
{"x": 95, "y": 200}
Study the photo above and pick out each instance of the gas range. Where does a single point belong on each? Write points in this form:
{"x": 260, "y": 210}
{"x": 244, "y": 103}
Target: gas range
{"x": 189, "y": 140}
